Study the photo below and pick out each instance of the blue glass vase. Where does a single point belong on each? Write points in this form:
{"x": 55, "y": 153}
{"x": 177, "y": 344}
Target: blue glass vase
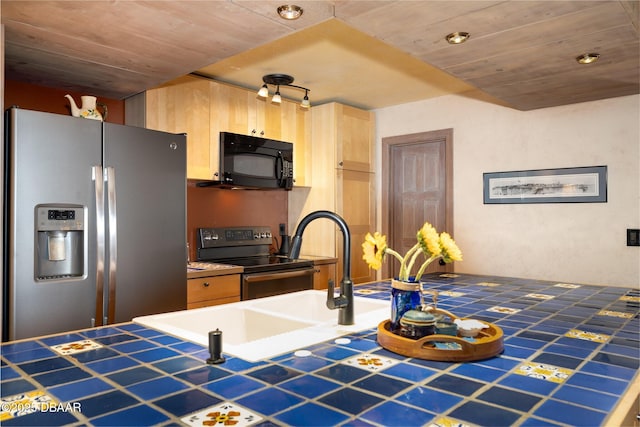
{"x": 405, "y": 296}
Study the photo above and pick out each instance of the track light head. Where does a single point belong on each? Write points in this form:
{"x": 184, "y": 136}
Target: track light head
{"x": 277, "y": 99}
{"x": 264, "y": 91}
{"x": 305, "y": 101}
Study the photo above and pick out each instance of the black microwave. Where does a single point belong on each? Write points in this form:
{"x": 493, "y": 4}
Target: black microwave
{"x": 253, "y": 162}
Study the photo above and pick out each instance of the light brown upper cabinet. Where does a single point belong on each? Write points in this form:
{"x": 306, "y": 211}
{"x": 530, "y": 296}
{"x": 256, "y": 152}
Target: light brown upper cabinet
{"x": 354, "y": 137}
{"x": 203, "y": 108}
{"x": 183, "y": 106}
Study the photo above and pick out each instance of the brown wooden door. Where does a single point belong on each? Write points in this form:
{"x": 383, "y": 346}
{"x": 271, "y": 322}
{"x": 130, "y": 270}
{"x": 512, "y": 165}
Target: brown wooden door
{"x": 419, "y": 190}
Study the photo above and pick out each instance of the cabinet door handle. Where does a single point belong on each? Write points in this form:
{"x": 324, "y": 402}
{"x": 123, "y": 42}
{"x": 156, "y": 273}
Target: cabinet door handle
{"x": 340, "y": 163}
{"x": 205, "y": 284}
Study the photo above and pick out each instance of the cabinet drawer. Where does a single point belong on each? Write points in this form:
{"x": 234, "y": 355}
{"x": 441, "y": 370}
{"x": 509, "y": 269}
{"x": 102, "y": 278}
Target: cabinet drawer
{"x": 208, "y": 303}
{"x": 209, "y": 288}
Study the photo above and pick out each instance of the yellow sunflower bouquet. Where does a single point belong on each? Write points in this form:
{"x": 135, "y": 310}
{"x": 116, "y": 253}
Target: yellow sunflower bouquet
{"x": 433, "y": 245}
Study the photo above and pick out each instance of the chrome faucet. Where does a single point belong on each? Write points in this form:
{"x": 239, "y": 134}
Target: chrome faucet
{"x": 344, "y": 302}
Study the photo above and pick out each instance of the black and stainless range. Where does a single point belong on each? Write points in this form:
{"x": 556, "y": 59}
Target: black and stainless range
{"x": 264, "y": 274}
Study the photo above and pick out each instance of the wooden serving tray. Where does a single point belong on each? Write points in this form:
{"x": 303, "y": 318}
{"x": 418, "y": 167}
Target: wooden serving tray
{"x": 488, "y": 343}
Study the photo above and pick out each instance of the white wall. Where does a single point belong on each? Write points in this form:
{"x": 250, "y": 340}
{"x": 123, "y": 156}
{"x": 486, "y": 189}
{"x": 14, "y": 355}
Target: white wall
{"x": 565, "y": 242}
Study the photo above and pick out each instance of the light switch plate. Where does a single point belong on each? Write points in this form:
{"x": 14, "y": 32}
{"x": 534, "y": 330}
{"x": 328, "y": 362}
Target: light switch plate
{"x": 633, "y": 237}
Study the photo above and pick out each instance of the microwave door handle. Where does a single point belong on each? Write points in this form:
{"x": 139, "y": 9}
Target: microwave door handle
{"x": 280, "y": 169}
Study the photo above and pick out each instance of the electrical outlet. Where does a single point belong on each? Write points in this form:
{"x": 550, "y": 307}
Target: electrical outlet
{"x": 633, "y": 237}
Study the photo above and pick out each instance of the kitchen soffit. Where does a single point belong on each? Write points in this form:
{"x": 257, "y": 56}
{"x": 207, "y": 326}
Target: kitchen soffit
{"x": 521, "y": 53}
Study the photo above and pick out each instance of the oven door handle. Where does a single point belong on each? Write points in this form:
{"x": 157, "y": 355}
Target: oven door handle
{"x": 260, "y": 277}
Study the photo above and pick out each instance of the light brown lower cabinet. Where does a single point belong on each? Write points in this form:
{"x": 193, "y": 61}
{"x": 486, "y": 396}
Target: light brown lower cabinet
{"x": 213, "y": 290}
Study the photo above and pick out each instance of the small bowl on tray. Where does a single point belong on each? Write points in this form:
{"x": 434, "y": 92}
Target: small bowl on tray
{"x": 469, "y": 327}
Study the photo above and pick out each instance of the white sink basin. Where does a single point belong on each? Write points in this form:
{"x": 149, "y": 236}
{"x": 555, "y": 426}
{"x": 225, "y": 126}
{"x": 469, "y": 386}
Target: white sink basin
{"x": 240, "y": 325}
{"x": 311, "y": 306}
{"x": 263, "y": 328}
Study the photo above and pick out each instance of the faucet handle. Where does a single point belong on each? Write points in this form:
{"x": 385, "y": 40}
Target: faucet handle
{"x": 334, "y": 302}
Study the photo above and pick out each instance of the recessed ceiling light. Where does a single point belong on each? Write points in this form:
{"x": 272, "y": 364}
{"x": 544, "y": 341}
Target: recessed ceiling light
{"x": 588, "y": 58}
{"x": 290, "y": 11}
{"x": 457, "y": 37}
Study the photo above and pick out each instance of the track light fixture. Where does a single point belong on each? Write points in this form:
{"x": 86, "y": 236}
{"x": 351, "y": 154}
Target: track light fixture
{"x": 283, "y": 80}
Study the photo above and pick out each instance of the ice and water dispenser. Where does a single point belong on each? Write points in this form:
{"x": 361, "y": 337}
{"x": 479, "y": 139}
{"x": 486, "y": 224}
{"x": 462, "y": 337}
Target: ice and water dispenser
{"x": 59, "y": 241}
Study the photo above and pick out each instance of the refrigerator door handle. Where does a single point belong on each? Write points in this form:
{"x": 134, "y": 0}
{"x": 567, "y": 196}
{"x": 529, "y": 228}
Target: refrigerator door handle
{"x": 98, "y": 179}
{"x": 110, "y": 176}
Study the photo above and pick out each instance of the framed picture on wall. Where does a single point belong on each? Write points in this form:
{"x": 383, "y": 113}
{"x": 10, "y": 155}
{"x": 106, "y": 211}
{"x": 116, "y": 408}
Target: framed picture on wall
{"x": 565, "y": 185}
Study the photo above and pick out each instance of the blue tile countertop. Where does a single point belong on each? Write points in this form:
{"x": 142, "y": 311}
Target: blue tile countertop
{"x": 570, "y": 353}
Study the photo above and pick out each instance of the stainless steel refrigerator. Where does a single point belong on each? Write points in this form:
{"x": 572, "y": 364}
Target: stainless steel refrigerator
{"x": 94, "y": 223}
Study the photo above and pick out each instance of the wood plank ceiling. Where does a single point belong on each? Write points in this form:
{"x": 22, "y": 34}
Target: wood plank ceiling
{"x": 369, "y": 54}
